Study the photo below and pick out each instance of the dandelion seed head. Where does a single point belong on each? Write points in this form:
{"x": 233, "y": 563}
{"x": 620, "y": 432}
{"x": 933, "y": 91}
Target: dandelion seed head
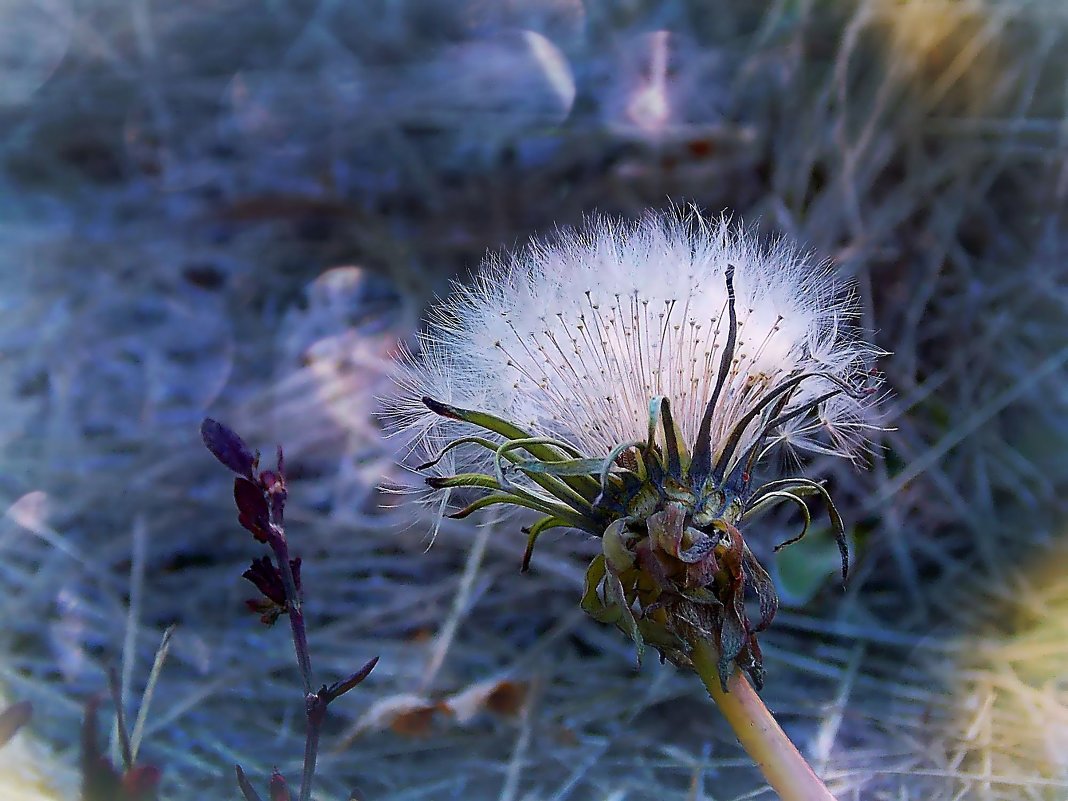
{"x": 571, "y": 337}
{"x": 624, "y": 379}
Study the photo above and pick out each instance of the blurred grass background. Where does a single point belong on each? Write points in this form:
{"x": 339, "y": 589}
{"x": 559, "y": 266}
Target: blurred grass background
{"x": 240, "y": 208}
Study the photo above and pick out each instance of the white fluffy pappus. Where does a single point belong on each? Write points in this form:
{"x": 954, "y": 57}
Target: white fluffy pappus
{"x": 571, "y": 338}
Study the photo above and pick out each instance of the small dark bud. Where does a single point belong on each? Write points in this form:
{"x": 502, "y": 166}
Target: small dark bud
{"x": 141, "y": 783}
{"x": 279, "y": 790}
{"x": 228, "y": 448}
{"x": 340, "y": 688}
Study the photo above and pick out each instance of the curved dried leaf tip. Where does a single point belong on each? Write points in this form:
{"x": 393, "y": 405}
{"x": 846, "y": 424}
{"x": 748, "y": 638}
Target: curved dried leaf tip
{"x": 627, "y": 380}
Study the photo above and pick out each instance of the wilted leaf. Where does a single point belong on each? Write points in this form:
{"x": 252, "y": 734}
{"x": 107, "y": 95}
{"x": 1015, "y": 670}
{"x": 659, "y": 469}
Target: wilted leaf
{"x": 407, "y": 714}
{"x": 101, "y": 781}
{"x": 732, "y": 639}
{"x": 501, "y": 696}
{"x": 268, "y": 579}
{"x": 763, "y": 587}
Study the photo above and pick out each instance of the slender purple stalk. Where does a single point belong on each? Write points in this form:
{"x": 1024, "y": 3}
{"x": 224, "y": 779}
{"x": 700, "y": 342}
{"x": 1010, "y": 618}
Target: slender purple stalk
{"x": 260, "y": 498}
{"x": 294, "y": 603}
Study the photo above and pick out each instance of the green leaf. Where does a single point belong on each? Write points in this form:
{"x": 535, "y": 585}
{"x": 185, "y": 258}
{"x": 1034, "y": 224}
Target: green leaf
{"x": 610, "y": 460}
{"x": 787, "y": 386}
{"x": 803, "y": 569}
{"x": 799, "y": 486}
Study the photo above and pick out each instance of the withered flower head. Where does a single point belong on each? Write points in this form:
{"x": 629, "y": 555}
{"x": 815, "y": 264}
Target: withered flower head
{"x": 268, "y": 580}
{"x": 626, "y": 380}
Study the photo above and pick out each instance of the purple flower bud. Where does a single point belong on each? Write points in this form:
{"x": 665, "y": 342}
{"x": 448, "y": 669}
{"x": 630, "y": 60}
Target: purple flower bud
{"x": 278, "y": 788}
{"x": 228, "y": 447}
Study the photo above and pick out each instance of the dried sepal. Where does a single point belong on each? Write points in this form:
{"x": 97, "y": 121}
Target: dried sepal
{"x": 764, "y": 588}
{"x": 267, "y": 578}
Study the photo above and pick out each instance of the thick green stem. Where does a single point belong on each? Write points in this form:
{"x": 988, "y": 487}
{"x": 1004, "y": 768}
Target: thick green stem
{"x": 763, "y": 739}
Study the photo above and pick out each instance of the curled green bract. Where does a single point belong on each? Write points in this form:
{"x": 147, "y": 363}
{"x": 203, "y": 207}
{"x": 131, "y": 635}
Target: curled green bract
{"x": 674, "y": 567}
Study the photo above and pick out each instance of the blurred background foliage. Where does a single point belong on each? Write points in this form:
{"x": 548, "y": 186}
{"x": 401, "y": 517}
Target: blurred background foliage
{"x": 241, "y": 208}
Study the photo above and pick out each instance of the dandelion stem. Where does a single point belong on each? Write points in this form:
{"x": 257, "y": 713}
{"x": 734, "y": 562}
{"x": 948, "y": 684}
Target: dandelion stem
{"x": 785, "y": 770}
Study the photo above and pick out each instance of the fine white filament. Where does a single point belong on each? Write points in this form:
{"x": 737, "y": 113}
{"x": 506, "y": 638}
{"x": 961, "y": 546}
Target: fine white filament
{"x": 571, "y": 338}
